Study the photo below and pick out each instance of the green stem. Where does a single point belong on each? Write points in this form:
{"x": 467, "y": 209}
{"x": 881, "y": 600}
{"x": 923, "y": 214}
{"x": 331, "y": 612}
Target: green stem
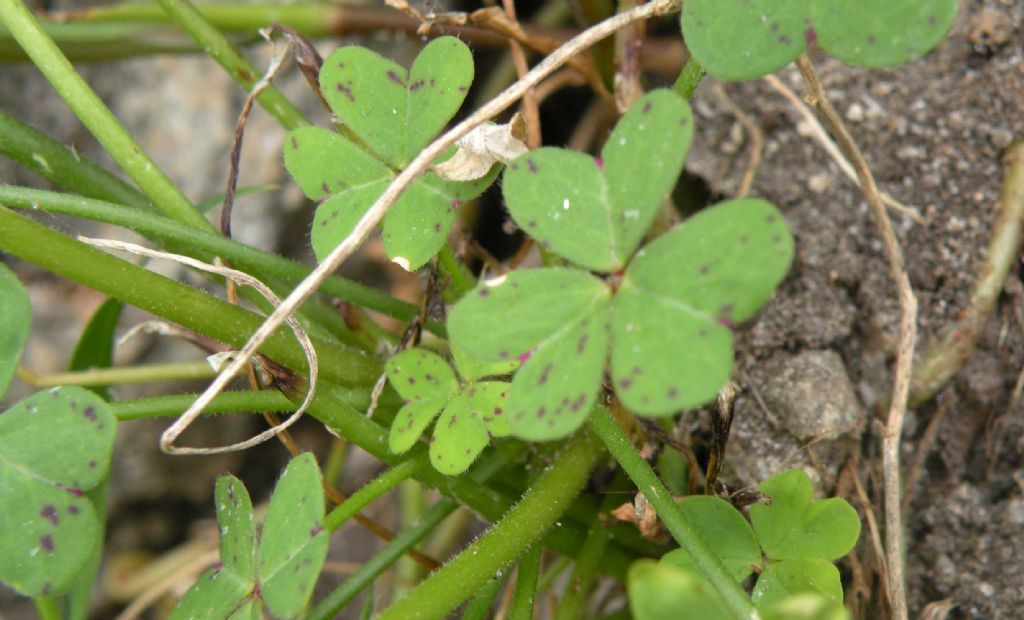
{"x": 205, "y": 245}
{"x": 101, "y": 377}
{"x": 89, "y": 109}
{"x": 526, "y": 522}
{"x": 462, "y": 280}
{"x": 48, "y": 608}
{"x": 689, "y": 79}
{"x": 605, "y": 427}
{"x": 480, "y": 607}
{"x": 526, "y": 585}
{"x": 226, "y": 402}
{"x": 584, "y": 572}
{"x": 171, "y": 300}
{"x": 331, "y": 604}
{"x": 369, "y": 492}
{"x": 224, "y": 52}
{"x": 412, "y": 501}
{"x": 63, "y": 167}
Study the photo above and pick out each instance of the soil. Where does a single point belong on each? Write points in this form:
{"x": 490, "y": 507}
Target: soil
{"x": 933, "y": 132}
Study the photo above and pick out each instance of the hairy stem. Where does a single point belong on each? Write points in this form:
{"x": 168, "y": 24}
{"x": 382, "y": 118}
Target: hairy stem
{"x": 228, "y": 402}
{"x": 526, "y": 584}
{"x": 526, "y": 522}
{"x": 605, "y": 427}
{"x": 369, "y": 492}
{"x": 101, "y": 377}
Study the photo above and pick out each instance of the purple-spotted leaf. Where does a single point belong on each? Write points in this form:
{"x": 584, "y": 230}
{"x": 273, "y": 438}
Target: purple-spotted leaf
{"x": 555, "y": 390}
{"x": 412, "y": 419}
{"x": 393, "y": 111}
{"x": 881, "y": 33}
{"x": 783, "y": 579}
{"x": 745, "y": 39}
{"x": 726, "y": 533}
{"x": 459, "y": 437}
{"x": 671, "y": 346}
{"x": 237, "y": 524}
{"x": 325, "y": 163}
{"x": 280, "y": 572}
{"x": 488, "y": 399}
{"x": 418, "y": 375}
{"x": 505, "y": 317}
{"x": 796, "y": 527}
{"x": 54, "y": 445}
{"x": 294, "y": 542}
{"x": 336, "y": 217}
{"x": 16, "y": 318}
{"x": 595, "y": 212}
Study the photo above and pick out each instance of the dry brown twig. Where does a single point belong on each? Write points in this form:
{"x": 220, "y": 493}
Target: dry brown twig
{"x": 821, "y": 136}
{"x": 905, "y": 347}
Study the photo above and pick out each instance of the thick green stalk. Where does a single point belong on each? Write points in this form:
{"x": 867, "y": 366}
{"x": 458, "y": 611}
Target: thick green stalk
{"x": 446, "y": 588}
{"x": 205, "y": 245}
{"x": 61, "y": 166}
{"x": 226, "y": 402}
{"x": 526, "y": 585}
{"x": 371, "y": 491}
{"x": 89, "y": 109}
{"x": 168, "y": 299}
{"x": 480, "y": 607}
{"x": 689, "y": 79}
{"x": 227, "y": 55}
{"x": 409, "y": 537}
{"x": 605, "y": 427}
{"x": 143, "y": 373}
{"x": 584, "y": 572}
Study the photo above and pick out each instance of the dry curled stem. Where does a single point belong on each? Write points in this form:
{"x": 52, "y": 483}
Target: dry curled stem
{"x": 907, "y": 337}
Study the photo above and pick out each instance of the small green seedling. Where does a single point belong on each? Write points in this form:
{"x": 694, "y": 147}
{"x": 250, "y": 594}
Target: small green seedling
{"x": 472, "y": 412}
{"x": 746, "y": 39}
{"x": 662, "y": 315}
{"x": 390, "y": 115}
{"x": 54, "y": 446}
{"x": 16, "y": 319}
{"x": 794, "y": 540}
{"x": 276, "y": 570}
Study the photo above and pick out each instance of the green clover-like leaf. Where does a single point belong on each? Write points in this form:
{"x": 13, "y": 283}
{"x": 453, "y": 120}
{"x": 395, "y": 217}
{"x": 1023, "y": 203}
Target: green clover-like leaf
{"x": 724, "y": 530}
{"x": 664, "y": 591}
{"x": 53, "y": 446}
{"x": 595, "y": 213}
{"x": 783, "y": 579}
{"x": 806, "y": 606}
{"x": 470, "y": 415}
{"x": 745, "y": 39}
{"x": 16, "y": 318}
{"x": 796, "y": 527}
{"x": 280, "y": 571}
{"x": 394, "y": 113}
{"x": 671, "y": 346}
{"x": 881, "y": 33}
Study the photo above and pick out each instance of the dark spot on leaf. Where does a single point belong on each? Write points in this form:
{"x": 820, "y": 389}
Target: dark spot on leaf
{"x": 784, "y": 40}
{"x": 47, "y": 587}
{"x": 325, "y": 187}
{"x": 456, "y": 204}
{"x": 295, "y": 143}
{"x": 581, "y": 344}
{"x": 646, "y": 108}
{"x": 775, "y": 27}
{"x": 544, "y": 375}
{"x": 770, "y": 219}
{"x": 72, "y": 509}
{"x": 346, "y": 91}
{"x": 704, "y": 269}
{"x": 316, "y": 530}
{"x": 542, "y": 412}
{"x": 431, "y": 82}
{"x": 498, "y": 411}
{"x": 503, "y": 355}
{"x": 463, "y": 89}
{"x": 672, "y": 393}
{"x": 625, "y": 383}
{"x": 531, "y": 165}
{"x": 437, "y": 228}
{"x": 484, "y": 292}
{"x": 49, "y": 513}
{"x": 776, "y": 238}
{"x": 702, "y": 333}
{"x": 932, "y": 20}
{"x": 452, "y": 421}
{"x": 411, "y": 380}
{"x": 394, "y": 77}
{"x": 811, "y": 36}
{"x": 418, "y": 84}
{"x": 871, "y": 39}
{"x": 636, "y": 371}
{"x": 744, "y": 239}
{"x": 531, "y": 224}
{"x": 92, "y": 464}
{"x": 47, "y": 543}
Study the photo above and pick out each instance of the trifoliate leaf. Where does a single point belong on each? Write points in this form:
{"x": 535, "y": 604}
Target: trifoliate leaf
{"x": 724, "y": 530}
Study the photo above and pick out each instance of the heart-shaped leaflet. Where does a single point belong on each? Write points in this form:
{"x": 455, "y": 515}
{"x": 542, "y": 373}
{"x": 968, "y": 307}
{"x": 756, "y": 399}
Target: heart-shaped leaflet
{"x": 392, "y": 114}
